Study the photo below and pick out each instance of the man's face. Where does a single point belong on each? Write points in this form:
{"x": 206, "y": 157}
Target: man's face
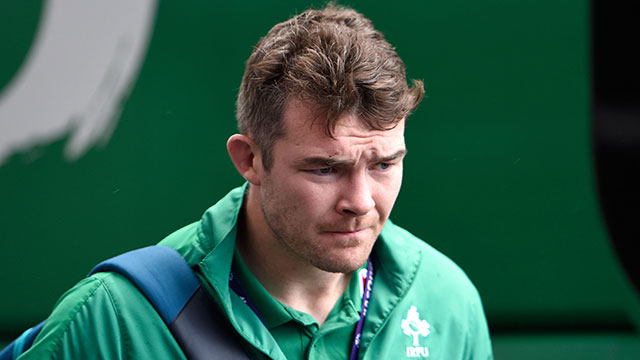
{"x": 326, "y": 200}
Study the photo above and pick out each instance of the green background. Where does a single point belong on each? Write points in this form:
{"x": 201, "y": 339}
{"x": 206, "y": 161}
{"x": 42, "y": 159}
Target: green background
{"x": 499, "y": 174}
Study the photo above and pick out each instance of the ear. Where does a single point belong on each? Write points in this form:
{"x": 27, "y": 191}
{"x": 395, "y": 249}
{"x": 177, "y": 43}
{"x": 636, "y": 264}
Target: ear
{"x": 245, "y": 154}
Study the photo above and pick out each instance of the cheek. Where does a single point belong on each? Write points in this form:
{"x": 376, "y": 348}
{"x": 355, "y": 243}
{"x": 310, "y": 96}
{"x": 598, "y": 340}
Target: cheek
{"x": 317, "y": 201}
{"x": 385, "y": 203}
{"x": 388, "y": 193}
{"x": 309, "y": 197}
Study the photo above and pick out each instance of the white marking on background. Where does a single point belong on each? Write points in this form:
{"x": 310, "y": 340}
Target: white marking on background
{"x": 83, "y": 63}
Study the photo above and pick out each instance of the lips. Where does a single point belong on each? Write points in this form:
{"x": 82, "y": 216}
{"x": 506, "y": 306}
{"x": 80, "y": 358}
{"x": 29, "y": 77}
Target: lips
{"x": 345, "y": 228}
{"x": 347, "y": 231}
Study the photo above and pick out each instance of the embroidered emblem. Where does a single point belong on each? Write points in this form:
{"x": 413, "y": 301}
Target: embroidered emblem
{"x": 414, "y": 327}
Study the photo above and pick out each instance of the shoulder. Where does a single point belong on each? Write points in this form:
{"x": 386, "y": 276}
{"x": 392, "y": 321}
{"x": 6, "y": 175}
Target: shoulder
{"x": 190, "y": 241}
{"x": 424, "y": 286}
{"x": 436, "y": 283}
{"x": 102, "y": 316}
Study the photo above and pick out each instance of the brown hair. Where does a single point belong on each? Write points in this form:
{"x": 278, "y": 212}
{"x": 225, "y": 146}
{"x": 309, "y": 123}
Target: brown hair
{"x": 332, "y": 58}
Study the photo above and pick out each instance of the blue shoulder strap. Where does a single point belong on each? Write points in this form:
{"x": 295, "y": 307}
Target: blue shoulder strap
{"x": 194, "y": 319}
{"x": 160, "y": 273}
{"x": 163, "y": 276}
{"x": 21, "y": 343}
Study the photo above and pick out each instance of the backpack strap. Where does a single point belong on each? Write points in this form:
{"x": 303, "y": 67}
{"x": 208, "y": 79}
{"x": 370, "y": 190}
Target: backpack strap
{"x": 162, "y": 275}
{"x": 193, "y": 317}
{"x": 21, "y": 343}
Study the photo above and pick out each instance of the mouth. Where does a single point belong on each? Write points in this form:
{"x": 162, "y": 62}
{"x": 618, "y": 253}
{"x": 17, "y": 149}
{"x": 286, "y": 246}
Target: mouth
{"x": 349, "y": 231}
{"x": 359, "y": 233}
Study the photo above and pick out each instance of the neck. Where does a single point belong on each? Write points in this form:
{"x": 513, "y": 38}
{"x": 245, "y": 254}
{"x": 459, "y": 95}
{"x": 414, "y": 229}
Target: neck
{"x": 289, "y": 279}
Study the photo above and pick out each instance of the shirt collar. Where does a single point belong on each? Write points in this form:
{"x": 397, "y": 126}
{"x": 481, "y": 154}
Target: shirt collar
{"x": 274, "y": 313}
{"x": 271, "y": 310}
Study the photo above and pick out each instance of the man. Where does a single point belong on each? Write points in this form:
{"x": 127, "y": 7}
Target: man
{"x": 321, "y": 112}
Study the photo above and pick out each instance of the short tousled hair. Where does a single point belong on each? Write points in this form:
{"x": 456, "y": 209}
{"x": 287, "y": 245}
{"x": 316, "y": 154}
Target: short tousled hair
{"x": 332, "y": 58}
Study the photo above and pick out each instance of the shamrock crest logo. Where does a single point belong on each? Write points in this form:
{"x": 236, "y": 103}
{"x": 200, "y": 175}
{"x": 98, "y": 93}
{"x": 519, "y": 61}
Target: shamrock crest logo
{"x": 413, "y": 326}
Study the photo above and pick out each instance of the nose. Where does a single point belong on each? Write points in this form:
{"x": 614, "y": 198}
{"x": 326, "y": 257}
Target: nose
{"x": 356, "y": 196}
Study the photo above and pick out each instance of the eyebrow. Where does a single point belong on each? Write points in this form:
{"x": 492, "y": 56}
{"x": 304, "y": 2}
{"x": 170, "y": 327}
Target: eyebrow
{"x": 332, "y": 162}
{"x": 394, "y": 156}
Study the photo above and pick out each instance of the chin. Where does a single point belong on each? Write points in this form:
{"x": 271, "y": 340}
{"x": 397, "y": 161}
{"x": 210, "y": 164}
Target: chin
{"x": 336, "y": 264}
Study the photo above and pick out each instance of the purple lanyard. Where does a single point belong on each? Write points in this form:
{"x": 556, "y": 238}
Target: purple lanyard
{"x": 235, "y": 285}
{"x": 366, "y": 294}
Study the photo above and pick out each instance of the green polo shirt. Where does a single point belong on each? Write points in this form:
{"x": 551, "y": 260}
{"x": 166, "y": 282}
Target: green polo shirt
{"x": 297, "y": 333}
{"x": 106, "y": 317}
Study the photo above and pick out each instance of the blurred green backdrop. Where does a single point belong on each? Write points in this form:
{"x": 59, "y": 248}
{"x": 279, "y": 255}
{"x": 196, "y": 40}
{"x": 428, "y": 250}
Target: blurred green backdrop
{"x": 499, "y": 174}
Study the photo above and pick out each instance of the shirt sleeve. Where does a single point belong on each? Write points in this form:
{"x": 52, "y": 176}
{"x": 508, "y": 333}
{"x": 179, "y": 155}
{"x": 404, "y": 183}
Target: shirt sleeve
{"x": 104, "y": 317}
{"x": 72, "y": 330}
{"x": 478, "y": 340}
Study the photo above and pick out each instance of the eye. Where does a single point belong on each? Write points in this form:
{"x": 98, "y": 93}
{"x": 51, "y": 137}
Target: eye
{"x": 383, "y": 166}
{"x": 322, "y": 171}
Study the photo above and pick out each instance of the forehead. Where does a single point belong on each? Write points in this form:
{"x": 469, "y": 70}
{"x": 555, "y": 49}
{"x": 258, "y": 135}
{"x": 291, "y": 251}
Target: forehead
{"x": 305, "y": 135}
